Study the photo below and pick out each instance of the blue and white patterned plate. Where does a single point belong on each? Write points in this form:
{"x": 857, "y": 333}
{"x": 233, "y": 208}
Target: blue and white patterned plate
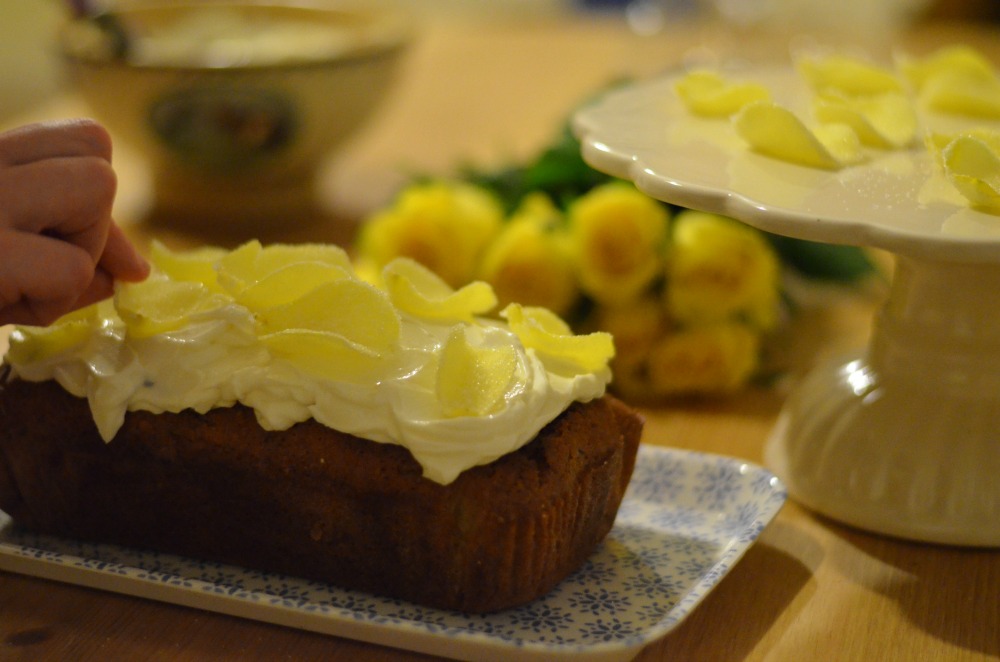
{"x": 686, "y": 520}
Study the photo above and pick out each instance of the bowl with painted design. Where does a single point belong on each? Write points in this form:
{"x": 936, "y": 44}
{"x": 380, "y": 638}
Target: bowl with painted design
{"x": 235, "y": 104}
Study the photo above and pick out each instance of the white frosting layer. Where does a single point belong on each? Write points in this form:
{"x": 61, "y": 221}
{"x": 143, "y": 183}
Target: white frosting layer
{"x": 217, "y": 360}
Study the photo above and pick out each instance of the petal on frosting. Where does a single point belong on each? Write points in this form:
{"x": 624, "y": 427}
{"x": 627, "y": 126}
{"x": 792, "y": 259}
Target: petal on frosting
{"x": 474, "y": 377}
{"x": 417, "y": 290}
{"x": 553, "y": 340}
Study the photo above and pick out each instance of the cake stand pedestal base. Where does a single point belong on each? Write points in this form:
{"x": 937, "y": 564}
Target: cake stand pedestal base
{"x": 905, "y": 440}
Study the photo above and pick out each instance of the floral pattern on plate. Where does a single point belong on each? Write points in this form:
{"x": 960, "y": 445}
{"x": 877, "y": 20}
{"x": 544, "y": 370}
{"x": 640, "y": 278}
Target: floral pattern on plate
{"x": 686, "y": 519}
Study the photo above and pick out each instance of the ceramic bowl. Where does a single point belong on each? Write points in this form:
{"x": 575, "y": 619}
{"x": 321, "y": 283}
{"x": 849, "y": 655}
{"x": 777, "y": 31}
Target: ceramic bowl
{"x": 235, "y": 103}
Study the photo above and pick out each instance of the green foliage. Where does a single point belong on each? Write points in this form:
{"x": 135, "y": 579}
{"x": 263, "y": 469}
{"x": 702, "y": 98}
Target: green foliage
{"x": 821, "y": 261}
{"x": 560, "y": 171}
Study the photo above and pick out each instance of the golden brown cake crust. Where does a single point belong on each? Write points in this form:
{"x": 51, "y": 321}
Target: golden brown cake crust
{"x": 319, "y": 504}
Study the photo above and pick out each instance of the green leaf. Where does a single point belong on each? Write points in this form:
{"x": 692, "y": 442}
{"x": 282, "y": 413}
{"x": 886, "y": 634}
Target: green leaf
{"x": 823, "y": 261}
{"x": 506, "y": 183}
{"x": 559, "y": 171}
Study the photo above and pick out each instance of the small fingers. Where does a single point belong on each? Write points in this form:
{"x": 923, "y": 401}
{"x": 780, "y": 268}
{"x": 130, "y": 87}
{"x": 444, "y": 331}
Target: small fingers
{"x": 121, "y": 260}
{"x": 42, "y": 278}
{"x": 58, "y": 139}
{"x": 102, "y": 286}
{"x": 65, "y": 197}
{"x": 59, "y": 248}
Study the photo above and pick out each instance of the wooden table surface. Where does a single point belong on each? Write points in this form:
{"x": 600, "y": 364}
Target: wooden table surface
{"x": 809, "y": 589}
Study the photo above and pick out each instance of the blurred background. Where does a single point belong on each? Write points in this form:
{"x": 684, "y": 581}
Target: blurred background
{"x": 31, "y": 72}
{"x": 29, "y": 66}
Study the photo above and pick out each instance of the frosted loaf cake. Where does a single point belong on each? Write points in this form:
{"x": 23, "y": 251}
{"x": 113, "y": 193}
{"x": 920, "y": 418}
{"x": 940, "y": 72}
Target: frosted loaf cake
{"x": 266, "y": 407}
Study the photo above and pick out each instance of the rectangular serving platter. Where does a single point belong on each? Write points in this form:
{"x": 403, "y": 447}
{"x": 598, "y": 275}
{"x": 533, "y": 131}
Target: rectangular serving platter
{"x": 686, "y": 519}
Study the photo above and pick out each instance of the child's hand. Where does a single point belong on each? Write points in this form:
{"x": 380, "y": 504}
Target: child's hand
{"x": 59, "y": 248}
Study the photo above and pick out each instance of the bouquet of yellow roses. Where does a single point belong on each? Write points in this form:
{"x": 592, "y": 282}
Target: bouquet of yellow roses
{"x": 688, "y": 296}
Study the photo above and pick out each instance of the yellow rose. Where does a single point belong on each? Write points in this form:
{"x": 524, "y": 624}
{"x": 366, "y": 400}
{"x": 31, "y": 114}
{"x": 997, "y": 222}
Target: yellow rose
{"x": 618, "y": 236}
{"x": 711, "y": 359}
{"x": 636, "y": 325}
{"x": 529, "y": 261}
{"x": 719, "y": 269}
{"x": 443, "y": 226}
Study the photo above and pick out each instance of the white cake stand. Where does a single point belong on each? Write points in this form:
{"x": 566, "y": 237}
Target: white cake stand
{"x": 903, "y": 440}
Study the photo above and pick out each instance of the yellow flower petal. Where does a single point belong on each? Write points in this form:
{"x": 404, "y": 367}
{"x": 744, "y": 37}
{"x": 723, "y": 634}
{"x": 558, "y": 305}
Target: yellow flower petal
{"x": 847, "y": 76}
{"x": 885, "y": 121}
{"x": 417, "y": 290}
{"x": 708, "y": 94}
{"x": 28, "y": 344}
{"x": 352, "y": 309}
{"x": 973, "y": 167}
{"x": 159, "y": 305}
{"x": 956, "y": 80}
{"x": 288, "y": 283}
{"x": 553, "y": 340}
{"x": 937, "y": 141}
{"x": 252, "y": 262}
{"x": 196, "y": 265}
{"x": 326, "y": 354}
{"x": 473, "y": 378}
{"x": 950, "y": 60}
{"x": 775, "y": 131}
{"x": 960, "y": 94}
